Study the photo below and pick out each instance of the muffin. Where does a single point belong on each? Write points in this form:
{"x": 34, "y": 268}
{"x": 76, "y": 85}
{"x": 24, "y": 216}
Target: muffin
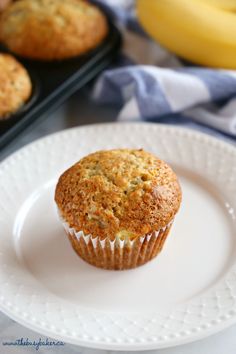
{"x": 52, "y": 29}
{"x": 15, "y": 86}
{"x": 117, "y": 207}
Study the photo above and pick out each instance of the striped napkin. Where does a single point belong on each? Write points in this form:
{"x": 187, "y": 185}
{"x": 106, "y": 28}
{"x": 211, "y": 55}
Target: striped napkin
{"x": 150, "y": 83}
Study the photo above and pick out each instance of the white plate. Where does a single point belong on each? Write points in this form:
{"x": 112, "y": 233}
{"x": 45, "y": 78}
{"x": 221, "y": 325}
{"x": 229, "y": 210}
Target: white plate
{"x": 186, "y": 293}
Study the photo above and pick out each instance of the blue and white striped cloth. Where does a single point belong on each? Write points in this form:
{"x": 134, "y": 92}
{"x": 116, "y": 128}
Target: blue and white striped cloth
{"x": 152, "y": 84}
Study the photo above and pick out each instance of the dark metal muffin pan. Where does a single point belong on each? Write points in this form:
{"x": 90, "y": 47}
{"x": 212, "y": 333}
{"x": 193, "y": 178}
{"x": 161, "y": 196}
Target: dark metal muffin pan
{"x": 53, "y": 82}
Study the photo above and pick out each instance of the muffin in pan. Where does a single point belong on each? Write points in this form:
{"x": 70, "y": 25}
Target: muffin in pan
{"x": 52, "y": 29}
{"x": 117, "y": 206}
{"x": 15, "y": 86}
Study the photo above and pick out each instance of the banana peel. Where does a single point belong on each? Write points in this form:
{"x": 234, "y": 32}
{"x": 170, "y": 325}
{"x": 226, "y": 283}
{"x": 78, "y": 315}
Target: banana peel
{"x": 203, "y": 32}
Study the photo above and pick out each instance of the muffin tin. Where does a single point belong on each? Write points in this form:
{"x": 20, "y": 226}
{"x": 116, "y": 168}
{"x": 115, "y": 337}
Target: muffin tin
{"x": 53, "y": 82}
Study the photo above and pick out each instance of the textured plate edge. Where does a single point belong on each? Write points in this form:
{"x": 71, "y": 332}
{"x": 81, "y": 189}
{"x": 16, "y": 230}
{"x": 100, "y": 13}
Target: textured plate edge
{"x": 102, "y": 345}
{"x": 169, "y": 127}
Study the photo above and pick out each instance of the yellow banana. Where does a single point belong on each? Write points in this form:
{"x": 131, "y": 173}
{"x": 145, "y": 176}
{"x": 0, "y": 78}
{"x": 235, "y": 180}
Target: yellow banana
{"x": 202, "y": 31}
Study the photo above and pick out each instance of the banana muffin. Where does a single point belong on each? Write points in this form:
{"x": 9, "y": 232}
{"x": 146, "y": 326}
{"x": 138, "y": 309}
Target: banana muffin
{"x": 117, "y": 206}
{"x": 15, "y": 86}
{"x": 52, "y": 29}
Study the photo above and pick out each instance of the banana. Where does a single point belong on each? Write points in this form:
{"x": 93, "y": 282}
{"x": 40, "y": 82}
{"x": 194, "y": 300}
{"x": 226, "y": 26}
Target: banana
{"x": 202, "y": 31}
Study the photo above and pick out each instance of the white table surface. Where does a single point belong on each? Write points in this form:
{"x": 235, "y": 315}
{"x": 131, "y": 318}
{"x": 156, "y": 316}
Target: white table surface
{"x": 80, "y": 110}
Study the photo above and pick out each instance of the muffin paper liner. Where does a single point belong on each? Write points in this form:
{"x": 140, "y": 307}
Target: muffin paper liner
{"x": 117, "y": 254}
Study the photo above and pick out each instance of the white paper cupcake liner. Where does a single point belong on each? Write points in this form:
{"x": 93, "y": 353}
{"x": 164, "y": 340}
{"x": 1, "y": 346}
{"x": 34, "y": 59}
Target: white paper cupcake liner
{"x": 117, "y": 254}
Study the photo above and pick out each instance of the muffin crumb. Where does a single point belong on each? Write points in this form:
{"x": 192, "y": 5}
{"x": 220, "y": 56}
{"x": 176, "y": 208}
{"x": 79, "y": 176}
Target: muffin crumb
{"x": 15, "y": 86}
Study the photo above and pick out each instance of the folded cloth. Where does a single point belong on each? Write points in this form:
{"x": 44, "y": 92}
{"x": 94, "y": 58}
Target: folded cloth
{"x": 153, "y": 84}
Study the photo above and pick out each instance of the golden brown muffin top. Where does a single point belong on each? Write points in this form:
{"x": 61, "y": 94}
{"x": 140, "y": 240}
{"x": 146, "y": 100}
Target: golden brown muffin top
{"x": 15, "y": 85}
{"x": 52, "y": 29}
{"x": 124, "y": 193}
